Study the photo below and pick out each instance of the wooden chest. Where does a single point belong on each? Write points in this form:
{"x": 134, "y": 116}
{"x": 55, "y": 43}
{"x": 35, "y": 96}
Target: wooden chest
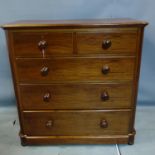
{"x": 76, "y": 81}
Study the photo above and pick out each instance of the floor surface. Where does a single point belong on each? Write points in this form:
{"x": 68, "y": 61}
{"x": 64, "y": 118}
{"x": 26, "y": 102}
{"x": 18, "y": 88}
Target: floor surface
{"x": 144, "y": 142}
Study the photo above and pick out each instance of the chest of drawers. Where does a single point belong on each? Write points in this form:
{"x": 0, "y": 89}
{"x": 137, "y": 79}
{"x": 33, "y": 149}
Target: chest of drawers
{"x": 76, "y": 81}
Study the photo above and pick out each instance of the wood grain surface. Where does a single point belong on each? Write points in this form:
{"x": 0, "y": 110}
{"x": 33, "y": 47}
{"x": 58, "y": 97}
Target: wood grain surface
{"x": 76, "y": 81}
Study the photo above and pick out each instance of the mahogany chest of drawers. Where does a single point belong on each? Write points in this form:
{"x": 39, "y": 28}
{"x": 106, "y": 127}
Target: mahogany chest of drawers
{"x": 76, "y": 81}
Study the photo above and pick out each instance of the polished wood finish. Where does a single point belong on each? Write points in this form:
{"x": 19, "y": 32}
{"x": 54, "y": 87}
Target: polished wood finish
{"x": 76, "y": 123}
{"x": 76, "y": 81}
{"x": 103, "y": 123}
{"x": 105, "y": 95}
{"x": 109, "y": 22}
{"x": 33, "y": 44}
{"x": 75, "y": 69}
{"x": 75, "y": 96}
{"x": 117, "y": 42}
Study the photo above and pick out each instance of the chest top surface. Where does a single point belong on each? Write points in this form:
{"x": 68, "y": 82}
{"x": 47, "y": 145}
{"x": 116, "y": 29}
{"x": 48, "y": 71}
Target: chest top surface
{"x": 109, "y": 22}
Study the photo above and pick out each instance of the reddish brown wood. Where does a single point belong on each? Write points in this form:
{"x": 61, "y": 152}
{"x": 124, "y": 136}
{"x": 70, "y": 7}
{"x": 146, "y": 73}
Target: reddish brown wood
{"x": 106, "y": 44}
{"x": 104, "y": 124}
{"x": 105, "y": 96}
{"x": 75, "y": 96}
{"x": 76, "y": 81}
{"x": 53, "y": 43}
{"x": 107, "y": 139}
{"x": 111, "y": 22}
{"x": 49, "y": 124}
{"x": 105, "y": 69}
{"x": 46, "y": 97}
{"x": 76, "y": 123}
{"x": 120, "y": 41}
{"x": 42, "y": 45}
{"x": 44, "y": 71}
{"x": 75, "y": 69}
{"x": 136, "y": 80}
{"x": 9, "y": 40}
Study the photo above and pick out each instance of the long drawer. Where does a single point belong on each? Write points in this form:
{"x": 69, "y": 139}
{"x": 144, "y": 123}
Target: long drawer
{"x": 81, "y": 123}
{"x": 75, "y": 69}
{"x": 75, "y": 96}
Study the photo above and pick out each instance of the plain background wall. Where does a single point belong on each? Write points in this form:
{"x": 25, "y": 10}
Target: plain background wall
{"x": 11, "y": 10}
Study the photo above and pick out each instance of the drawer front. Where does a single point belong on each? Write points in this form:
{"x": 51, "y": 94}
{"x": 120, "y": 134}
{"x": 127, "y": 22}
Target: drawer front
{"x": 77, "y": 123}
{"x": 75, "y": 96}
{"x": 33, "y": 44}
{"x": 74, "y": 69}
{"x": 106, "y": 42}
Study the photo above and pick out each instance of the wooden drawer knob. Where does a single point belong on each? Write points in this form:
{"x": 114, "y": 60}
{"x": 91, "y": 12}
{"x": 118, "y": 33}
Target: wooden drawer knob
{"x": 103, "y": 124}
{"x": 46, "y": 97}
{"x": 42, "y": 46}
{"x": 105, "y": 69}
{"x": 105, "y": 96}
{"x": 106, "y": 44}
{"x": 44, "y": 71}
{"x": 49, "y": 123}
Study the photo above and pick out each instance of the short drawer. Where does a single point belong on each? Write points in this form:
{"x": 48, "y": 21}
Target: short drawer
{"x": 81, "y": 123}
{"x": 37, "y": 43}
{"x": 75, "y": 96}
{"x": 112, "y": 41}
{"x": 74, "y": 69}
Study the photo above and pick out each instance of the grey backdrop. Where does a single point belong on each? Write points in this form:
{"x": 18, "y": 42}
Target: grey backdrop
{"x": 11, "y": 10}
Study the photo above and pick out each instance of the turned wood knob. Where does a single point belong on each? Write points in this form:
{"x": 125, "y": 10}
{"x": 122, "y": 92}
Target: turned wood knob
{"x": 105, "y": 96}
{"x": 103, "y": 124}
{"x": 46, "y": 97}
{"x": 44, "y": 71}
{"x": 106, "y": 44}
{"x": 49, "y": 123}
{"x": 42, "y": 45}
{"x": 105, "y": 69}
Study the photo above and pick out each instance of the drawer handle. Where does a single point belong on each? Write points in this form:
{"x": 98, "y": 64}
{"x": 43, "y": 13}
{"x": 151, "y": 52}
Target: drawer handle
{"x": 46, "y": 97}
{"x": 105, "y": 96}
{"x": 42, "y": 46}
{"x": 49, "y": 124}
{"x": 44, "y": 71}
{"x": 106, "y": 44}
{"x": 103, "y": 124}
{"x": 105, "y": 69}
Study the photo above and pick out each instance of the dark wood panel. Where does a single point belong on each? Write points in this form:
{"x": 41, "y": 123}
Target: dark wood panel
{"x": 75, "y": 96}
{"x": 74, "y": 69}
{"x": 107, "y": 42}
{"x": 81, "y": 123}
{"x": 26, "y": 44}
